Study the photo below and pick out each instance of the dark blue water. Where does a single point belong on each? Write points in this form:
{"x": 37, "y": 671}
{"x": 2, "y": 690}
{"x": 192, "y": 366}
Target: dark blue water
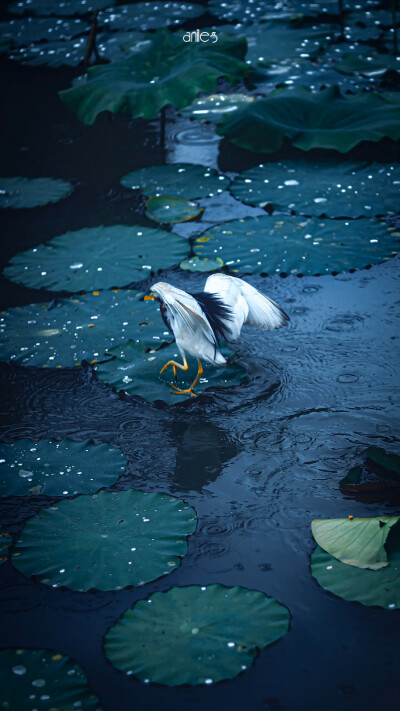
{"x": 257, "y": 462}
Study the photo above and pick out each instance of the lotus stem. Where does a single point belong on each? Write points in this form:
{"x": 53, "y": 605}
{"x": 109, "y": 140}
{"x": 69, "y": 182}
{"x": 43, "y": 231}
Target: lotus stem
{"x": 341, "y": 18}
{"x": 394, "y": 16}
{"x": 91, "y": 45}
{"x": 162, "y": 132}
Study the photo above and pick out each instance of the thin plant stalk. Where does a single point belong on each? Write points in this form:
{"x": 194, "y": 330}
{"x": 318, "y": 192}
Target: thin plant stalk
{"x": 341, "y": 18}
{"x": 394, "y": 18}
{"x": 162, "y": 132}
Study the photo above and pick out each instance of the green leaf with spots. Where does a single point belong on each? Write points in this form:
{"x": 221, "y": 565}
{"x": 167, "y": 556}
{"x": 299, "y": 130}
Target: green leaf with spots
{"x": 106, "y": 541}
{"x": 336, "y": 189}
{"x": 5, "y": 543}
{"x": 33, "y": 29}
{"x": 195, "y": 264}
{"x": 97, "y": 258}
{"x": 56, "y": 468}
{"x": 165, "y": 209}
{"x": 66, "y": 8}
{"x": 149, "y": 15}
{"x": 64, "y": 332}
{"x": 215, "y": 106}
{"x": 326, "y": 119}
{"x": 135, "y": 370}
{"x": 295, "y": 245}
{"x": 55, "y": 681}
{"x": 369, "y": 64}
{"x": 369, "y": 587}
{"x": 355, "y": 541}
{"x": 195, "y": 635}
{"x": 169, "y": 71}
{"x": 181, "y": 179}
{"x": 32, "y": 192}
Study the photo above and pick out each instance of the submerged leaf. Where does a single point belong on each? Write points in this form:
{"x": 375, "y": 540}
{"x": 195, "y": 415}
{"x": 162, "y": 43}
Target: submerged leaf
{"x": 326, "y": 119}
{"x": 54, "y": 468}
{"x": 32, "y": 192}
{"x": 183, "y": 180}
{"x": 167, "y": 72}
{"x": 106, "y": 541}
{"x": 97, "y": 258}
{"x": 57, "y": 679}
{"x": 195, "y": 635}
{"x": 165, "y": 209}
{"x": 355, "y": 541}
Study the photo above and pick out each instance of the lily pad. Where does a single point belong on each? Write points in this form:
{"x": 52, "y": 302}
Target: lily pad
{"x": 181, "y": 179}
{"x": 259, "y": 245}
{"x": 379, "y": 470}
{"x": 135, "y": 370}
{"x": 97, "y": 258}
{"x": 327, "y": 119}
{"x": 215, "y": 106}
{"x": 337, "y": 189}
{"x": 66, "y": 8}
{"x": 367, "y": 64}
{"x": 195, "y": 635}
{"x": 239, "y": 10}
{"x": 168, "y": 71}
{"x": 64, "y": 332}
{"x": 384, "y": 459}
{"x": 149, "y": 15}
{"x": 369, "y": 587}
{"x": 32, "y": 29}
{"x": 355, "y": 541}
{"x": 5, "y": 543}
{"x": 195, "y": 264}
{"x": 165, "y": 209}
{"x": 315, "y": 74}
{"x": 53, "y": 680}
{"x": 106, "y": 541}
{"x": 32, "y": 192}
{"x": 56, "y": 468}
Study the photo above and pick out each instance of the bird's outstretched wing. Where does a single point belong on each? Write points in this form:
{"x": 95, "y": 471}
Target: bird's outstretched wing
{"x": 184, "y": 312}
{"x": 249, "y": 306}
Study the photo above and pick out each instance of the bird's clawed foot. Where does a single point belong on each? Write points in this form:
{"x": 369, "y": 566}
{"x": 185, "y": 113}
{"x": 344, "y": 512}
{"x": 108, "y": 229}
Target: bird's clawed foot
{"x": 170, "y": 362}
{"x": 178, "y": 391}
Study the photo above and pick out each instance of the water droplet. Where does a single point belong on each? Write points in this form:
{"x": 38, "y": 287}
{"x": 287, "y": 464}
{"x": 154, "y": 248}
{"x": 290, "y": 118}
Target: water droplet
{"x": 19, "y": 670}
{"x": 38, "y": 682}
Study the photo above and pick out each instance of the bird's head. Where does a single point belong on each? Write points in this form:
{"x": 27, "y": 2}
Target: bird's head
{"x": 157, "y": 291}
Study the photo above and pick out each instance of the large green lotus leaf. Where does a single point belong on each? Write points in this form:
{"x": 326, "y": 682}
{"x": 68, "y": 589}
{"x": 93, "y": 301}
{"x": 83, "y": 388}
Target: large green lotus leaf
{"x": 355, "y": 541}
{"x": 195, "y": 264}
{"x": 32, "y": 192}
{"x": 66, "y": 8}
{"x": 240, "y": 10}
{"x": 335, "y": 189}
{"x": 135, "y": 370}
{"x": 180, "y": 179}
{"x": 97, "y": 258}
{"x": 384, "y": 459}
{"x": 258, "y": 245}
{"x": 5, "y": 543}
{"x": 48, "y": 679}
{"x": 106, "y": 541}
{"x": 314, "y": 74}
{"x": 370, "y": 587}
{"x": 369, "y": 64}
{"x": 149, "y": 15}
{"x": 165, "y": 209}
{"x": 195, "y": 635}
{"x": 57, "y": 468}
{"x": 64, "y": 332}
{"x": 326, "y": 119}
{"x": 169, "y": 71}
{"x": 215, "y": 106}
{"x": 32, "y": 29}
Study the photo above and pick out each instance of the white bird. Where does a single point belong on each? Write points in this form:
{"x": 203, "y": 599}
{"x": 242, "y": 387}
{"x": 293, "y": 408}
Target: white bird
{"x": 201, "y": 321}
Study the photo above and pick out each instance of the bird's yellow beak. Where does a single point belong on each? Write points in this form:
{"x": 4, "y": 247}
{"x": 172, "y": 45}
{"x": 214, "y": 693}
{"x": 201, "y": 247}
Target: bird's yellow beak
{"x": 149, "y": 298}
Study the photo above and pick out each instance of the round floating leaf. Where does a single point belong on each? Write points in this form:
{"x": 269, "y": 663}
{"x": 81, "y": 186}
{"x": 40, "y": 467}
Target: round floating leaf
{"x": 379, "y": 470}
{"x": 66, "y": 8}
{"x": 106, "y": 541}
{"x": 163, "y": 208}
{"x": 326, "y": 119}
{"x": 64, "y": 332}
{"x": 180, "y": 179}
{"x": 355, "y": 541}
{"x": 336, "y": 189}
{"x": 201, "y": 265}
{"x": 195, "y": 635}
{"x": 32, "y": 29}
{"x": 97, "y": 258}
{"x": 135, "y": 369}
{"x": 303, "y": 72}
{"x": 258, "y": 245}
{"x": 384, "y": 459}
{"x": 149, "y": 15}
{"x": 57, "y": 468}
{"x": 168, "y": 71}
{"x": 369, "y": 64}
{"x": 370, "y": 587}
{"x": 5, "y": 543}
{"x": 32, "y": 192}
{"x": 240, "y": 10}
{"x": 48, "y": 679}
{"x": 215, "y": 106}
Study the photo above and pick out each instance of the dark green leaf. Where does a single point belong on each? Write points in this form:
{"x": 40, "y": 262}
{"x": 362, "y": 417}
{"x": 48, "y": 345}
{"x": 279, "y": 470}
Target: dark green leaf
{"x": 165, "y": 209}
{"x": 201, "y": 265}
{"x": 181, "y": 179}
{"x": 149, "y": 15}
{"x": 32, "y": 192}
{"x": 66, "y": 8}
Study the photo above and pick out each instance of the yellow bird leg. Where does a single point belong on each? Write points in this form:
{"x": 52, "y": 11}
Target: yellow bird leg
{"x": 189, "y": 391}
{"x": 198, "y": 376}
{"x": 175, "y": 365}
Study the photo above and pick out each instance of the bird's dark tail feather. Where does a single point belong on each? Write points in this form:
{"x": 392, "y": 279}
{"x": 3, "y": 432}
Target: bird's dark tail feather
{"x": 217, "y": 314}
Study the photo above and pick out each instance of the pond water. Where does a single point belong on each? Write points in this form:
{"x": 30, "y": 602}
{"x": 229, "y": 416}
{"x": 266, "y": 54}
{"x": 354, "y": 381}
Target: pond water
{"x": 257, "y": 462}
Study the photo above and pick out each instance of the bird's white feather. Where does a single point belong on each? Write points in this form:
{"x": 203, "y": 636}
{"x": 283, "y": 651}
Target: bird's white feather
{"x": 259, "y": 310}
